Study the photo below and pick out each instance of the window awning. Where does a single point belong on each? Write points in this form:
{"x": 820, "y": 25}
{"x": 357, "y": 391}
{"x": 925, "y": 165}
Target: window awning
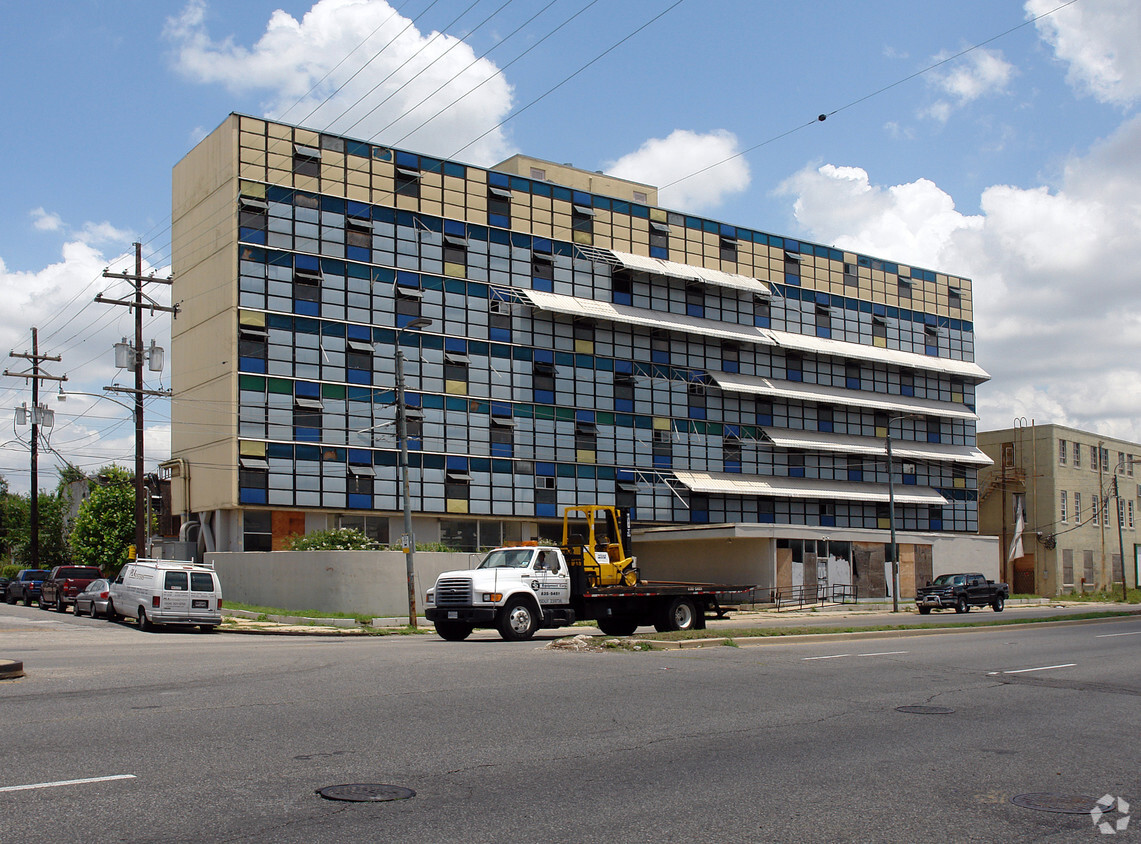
{"x": 307, "y": 403}
{"x": 773, "y": 487}
{"x": 247, "y": 462}
{"x": 757, "y": 385}
{"x": 875, "y": 447}
{"x": 360, "y": 346}
{"x": 307, "y": 152}
{"x": 858, "y": 351}
{"x": 458, "y": 477}
{"x": 361, "y": 471}
{"x": 503, "y": 193}
{"x": 608, "y": 311}
{"x": 672, "y": 269}
{"x": 584, "y": 210}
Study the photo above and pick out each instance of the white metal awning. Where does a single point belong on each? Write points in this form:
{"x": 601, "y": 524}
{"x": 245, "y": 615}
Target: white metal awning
{"x": 858, "y": 351}
{"x": 720, "y": 483}
{"x": 875, "y": 446}
{"x": 595, "y": 309}
{"x": 760, "y": 386}
{"x": 660, "y": 266}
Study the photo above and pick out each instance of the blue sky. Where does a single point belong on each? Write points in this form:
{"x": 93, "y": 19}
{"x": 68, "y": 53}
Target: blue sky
{"x": 1016, "y": 164}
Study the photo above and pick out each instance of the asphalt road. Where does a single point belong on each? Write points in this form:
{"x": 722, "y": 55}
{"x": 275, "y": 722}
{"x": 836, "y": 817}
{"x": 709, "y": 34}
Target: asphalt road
{"x": 226, "y": 737}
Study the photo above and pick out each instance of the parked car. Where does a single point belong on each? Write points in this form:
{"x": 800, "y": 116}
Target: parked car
{"x": 26, "y": 586}
{"x": 155, "y": 592}
{"x": 64, "y": 583}
{"x": 961, "y": 591}
{"x": 95, "y": 599}
{"x": 4, "y": 581}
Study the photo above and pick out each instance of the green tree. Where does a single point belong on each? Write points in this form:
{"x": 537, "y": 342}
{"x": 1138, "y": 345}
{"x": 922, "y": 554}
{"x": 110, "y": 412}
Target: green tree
{"x": 16, "y": 533}
{"x": 105, "y": 526}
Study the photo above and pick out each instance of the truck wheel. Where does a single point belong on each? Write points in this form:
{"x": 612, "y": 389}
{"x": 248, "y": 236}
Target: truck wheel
{"x": 40, "y": 601}
{"x": 10, "y": 599}
{"x": 925, "y": 610}
{"x": 999, "y": 603}
{"x": 617, "y": 626}
{"x": 60, "y": 606}
{"x": 453, "y": 631}
{"x": 962, "y": 606}
{"x": 678, "y": 614}
{"x": 517, "y": 621}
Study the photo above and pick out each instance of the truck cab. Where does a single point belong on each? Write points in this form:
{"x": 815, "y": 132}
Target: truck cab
{"x": 516, "y": 589}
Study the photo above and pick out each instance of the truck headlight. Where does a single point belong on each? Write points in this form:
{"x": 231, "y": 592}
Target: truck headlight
{"x": 429, "y": 597}
{"x": 492, "y": 597}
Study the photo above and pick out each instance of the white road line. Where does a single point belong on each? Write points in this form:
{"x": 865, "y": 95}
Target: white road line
{"x": 1040, "y": 668}
{"x": 66, "y": 782}
{"x": 833, "y": 656}
{"x": 884, "y": 653}
{"x": 1111, "y": 635}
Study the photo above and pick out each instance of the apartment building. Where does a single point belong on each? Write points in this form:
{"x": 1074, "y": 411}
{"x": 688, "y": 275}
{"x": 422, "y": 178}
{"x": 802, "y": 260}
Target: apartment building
{"x": 565, "y": 340}
{"x": 1067, "y": 501}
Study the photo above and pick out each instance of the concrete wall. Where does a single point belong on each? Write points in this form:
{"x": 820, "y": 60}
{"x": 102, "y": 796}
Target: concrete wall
{"x": 966, "y": 553}
{"x": 366, "y": 582}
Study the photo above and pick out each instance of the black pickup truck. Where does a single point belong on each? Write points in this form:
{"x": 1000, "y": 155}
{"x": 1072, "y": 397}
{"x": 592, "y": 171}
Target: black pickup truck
{"x": 961, "y": 591}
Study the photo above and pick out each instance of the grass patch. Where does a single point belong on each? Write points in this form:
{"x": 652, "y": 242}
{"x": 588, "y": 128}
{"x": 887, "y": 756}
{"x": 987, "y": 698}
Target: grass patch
{"x": 263, "y": 612}
{"x": 1132, "y": 596}
{"x": 728, "y": 636}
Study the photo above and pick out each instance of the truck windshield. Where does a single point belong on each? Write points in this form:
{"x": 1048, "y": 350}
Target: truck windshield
{"x": 949, "y": 580}
{"x": 507, "y": 558}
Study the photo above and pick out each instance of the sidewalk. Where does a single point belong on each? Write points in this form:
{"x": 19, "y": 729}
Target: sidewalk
{"x": 840, "y": 616}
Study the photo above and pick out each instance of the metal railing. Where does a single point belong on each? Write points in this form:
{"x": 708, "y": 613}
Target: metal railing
{"x": 820, "y": 593}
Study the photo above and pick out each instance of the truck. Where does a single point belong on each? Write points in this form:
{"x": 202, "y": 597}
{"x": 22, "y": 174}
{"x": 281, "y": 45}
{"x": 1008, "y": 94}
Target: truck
{"x": 25, "y": 586}
{"x": 65, "y": 582}
{"x": 961, "y": 591}
{"x": 589, "y": 576}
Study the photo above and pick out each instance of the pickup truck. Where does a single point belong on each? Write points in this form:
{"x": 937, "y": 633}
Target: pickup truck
{"x": 961, "y": 591}
{"x": 25, "y": 586}
{"x": 64, "y": 583}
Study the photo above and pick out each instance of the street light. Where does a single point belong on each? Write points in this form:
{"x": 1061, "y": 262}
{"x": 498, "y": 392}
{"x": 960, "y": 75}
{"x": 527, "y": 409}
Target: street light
{"x": 891, "y": 514}
{"x": 409, "y": 539}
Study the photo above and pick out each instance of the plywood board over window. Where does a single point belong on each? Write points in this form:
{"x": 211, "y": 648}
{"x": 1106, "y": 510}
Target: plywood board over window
{"x": 286, "y": 525}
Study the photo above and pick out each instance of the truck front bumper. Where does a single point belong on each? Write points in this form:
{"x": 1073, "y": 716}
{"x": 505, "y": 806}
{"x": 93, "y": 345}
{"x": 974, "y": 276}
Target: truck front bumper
{"x": 467, "y": 615}
{"x": 936, "y": 601}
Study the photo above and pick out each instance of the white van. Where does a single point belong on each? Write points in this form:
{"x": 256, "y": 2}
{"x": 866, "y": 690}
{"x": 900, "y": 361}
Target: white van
{"x": 167, "y": 592}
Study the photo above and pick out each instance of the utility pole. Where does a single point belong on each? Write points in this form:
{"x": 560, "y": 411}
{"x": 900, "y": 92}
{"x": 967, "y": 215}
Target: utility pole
{"x": 39, "y": 415}
{"x": 136, "y": 354}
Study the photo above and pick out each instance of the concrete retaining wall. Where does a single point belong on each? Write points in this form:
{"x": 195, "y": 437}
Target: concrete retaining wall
{"x": 365, "y": 582}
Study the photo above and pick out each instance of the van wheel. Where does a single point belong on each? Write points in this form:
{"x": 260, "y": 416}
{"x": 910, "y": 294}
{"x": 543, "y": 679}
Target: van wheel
{"x": 517, "y": 622}
{"x": 111, "y": 614}
{"x": 145, "y": 623}
{"x": 678, "y": 614}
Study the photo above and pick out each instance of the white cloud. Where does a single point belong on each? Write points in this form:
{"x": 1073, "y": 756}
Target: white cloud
{"x": 44, "y": 221}
{"x": 1098, "y": 39}
{"x": 383, "y": 93}
{"x": 980, "y": 73}
{"x": 59, "y": 301}
{"x": 663, "y": 161}
{"x": 1056, "y": 303}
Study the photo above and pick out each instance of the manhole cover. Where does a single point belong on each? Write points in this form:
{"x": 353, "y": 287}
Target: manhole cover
{"x": 926, "y": 710}
{"x": 1067, "y": 804}
{"x": 366, "y": 792}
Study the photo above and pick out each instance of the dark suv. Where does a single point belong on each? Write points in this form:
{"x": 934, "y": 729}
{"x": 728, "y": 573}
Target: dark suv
{"x": 26, "y": 586}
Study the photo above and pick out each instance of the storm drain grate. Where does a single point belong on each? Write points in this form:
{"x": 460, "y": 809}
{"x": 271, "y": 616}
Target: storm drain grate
{"x": 1067, "y": 804}
{"x": 926, "y": 710}
{"x": 366, "y": 792}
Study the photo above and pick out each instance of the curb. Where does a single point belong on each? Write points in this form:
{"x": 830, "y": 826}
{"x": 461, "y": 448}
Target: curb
{"x": 801, "y": 638}
{"x": 10, "y": 669}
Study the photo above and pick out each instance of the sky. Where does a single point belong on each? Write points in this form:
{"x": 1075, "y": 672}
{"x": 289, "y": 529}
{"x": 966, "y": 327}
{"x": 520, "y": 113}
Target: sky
{"x": 994, "y": 140}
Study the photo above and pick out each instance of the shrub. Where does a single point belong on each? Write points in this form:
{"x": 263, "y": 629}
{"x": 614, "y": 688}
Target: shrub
{"x": 337, "y": 539}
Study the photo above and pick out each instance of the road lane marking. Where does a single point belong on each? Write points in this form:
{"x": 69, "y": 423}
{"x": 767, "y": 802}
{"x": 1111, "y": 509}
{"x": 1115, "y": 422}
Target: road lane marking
{"x": 884, "y": 653}
{"x": 66, "y": 782}
{"x": 833, "y": 656}
{"x": 1040, "y": 668}
{"x": 1111, "y": 635}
